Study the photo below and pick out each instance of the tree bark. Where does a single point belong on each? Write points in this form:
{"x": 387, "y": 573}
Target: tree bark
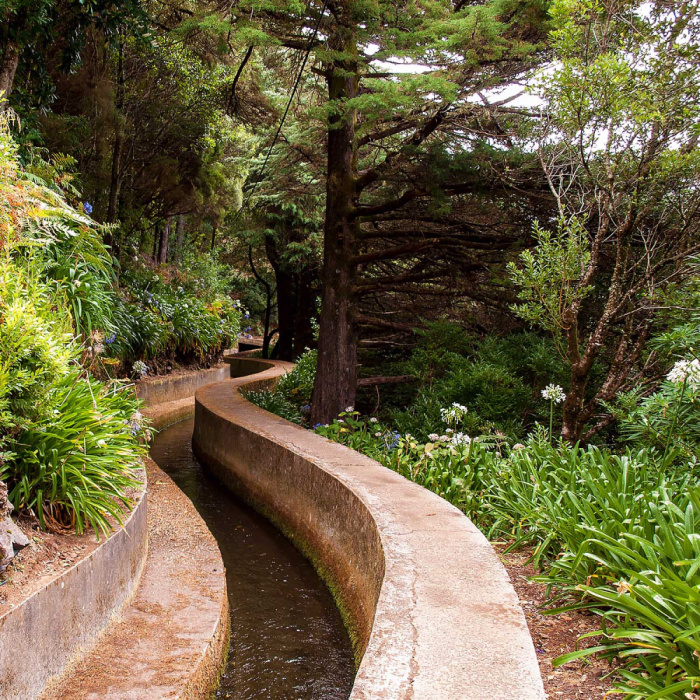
{"x": 336, "y": 374}
{"x": 156, "y": 241}
{"x": 8, "y": 68}
{"x": 164, "y": 242}
{"x": 115, "y": 180}
{"x": 306, "y": 300}
{"x": 180, "y": 240}
{"x": 286, "y": 303}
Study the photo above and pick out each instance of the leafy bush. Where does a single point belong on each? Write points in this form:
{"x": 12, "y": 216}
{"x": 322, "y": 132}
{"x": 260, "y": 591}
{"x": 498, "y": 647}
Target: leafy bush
{"x": 497, "y": 378}
{"x": 297, "y": 385}
{"x": 34, "y": 346}
{"x": 671, "y": 413}
{"x": 291, "y": 398}
{"x": 67, "y": 447}
{"x": 162, "y": 319}
{"x": 74, "y": 465}
{"x": 274, "y": 403}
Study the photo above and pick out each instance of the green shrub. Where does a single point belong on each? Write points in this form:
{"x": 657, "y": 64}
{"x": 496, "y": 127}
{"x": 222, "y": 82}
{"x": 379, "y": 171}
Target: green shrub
{"x": 75, "y": 464}
{"x": 274, "y": 403}
{"x": 671, "y": 414}
{"x": 165, "y": 321}
{"x": 69, "y": 445}
{"x": 291, "y": 398}
{"x": 498, "y": 378}
{"x": 35, "y": 346}
{"x": 297, "y": 385}
{"x": 650, "y": 602}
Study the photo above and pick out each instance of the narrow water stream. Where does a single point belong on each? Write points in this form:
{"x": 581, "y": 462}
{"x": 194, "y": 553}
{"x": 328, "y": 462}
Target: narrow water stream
{"x": 287, "y": 638}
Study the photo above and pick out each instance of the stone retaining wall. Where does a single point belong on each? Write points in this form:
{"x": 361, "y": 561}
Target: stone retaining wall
{"x": 430, "y": 607}
{"x": 41, "y": 635}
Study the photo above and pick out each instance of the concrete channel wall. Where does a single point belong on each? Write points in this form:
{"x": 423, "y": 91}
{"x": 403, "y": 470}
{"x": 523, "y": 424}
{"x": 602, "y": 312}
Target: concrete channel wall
{"x": 430, "y": 607}
{"x": 175, "y": 387}
{"x": 41, "y": 635}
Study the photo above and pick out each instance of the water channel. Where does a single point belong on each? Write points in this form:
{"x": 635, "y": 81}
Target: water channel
{"x": 287, "y": 637}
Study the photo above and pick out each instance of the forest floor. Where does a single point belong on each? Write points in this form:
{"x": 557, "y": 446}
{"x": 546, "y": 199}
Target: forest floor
{"x": 555, "y": 635}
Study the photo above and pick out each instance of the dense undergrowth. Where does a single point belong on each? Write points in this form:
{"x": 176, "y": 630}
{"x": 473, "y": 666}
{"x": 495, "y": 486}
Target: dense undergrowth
{"x": 71, "y": 435}
{"x": 614, "y": 529}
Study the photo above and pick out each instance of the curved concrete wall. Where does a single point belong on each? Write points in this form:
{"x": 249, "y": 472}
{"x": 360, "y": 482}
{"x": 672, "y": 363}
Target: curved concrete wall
{"x": 42, "y": 634}
{"x": 173, "y": 387}
{"x": 430, "y": 606}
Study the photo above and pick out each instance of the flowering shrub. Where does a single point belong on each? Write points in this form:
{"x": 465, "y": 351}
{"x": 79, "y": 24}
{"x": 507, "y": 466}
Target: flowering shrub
{"x": 161, "y": 320}
{"x": 74, "y": 465}
{"x": 670, "y": 415}
{"x": 67, "y": 449}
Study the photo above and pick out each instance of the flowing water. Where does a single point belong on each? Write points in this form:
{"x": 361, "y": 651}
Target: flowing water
{"x": 287, "y": 638}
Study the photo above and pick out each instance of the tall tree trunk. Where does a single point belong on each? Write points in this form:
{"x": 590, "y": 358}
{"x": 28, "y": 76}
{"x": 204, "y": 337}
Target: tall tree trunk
{"x": 115, "y": 180}
{"x": 8, "y": 67}
{"x": 156, "y": 241}
{"x": 286, "y": 314}
{"x": 306, "y": 300}
{"x": 180, "y": 240}
{"x": 336, "y": 374}
{"x": 164, "y": 242}
{"x": 286, "y": 302}
{"x": 573, "y": 404}
{"x": 213, "y": 236}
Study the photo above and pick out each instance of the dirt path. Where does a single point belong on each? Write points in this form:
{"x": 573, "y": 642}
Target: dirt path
{"x": 557, "y": 635}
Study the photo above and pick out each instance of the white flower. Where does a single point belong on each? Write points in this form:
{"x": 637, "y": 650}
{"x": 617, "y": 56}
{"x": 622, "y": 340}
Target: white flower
{"x": 349, "y": 409}
{"x": 553, "y": 392}
{"x": 373, "y": 420}
{"x": 687, "y": 371}
{"x": 340, "y": 420}
{"x": 433, "y": 437}
{"x": 454, "y": 413}
{"x": 518, "y": 446}
{"x": 444, "y": 438}
{"x": 449, "y": 431}
{"x": 461, "y": 439}
{"x": 140, "y": 368}
{"x": 377, "y": 434}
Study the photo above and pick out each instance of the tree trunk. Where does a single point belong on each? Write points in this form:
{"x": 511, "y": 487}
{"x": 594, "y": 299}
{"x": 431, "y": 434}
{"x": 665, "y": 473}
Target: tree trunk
{"x": 286, "y": 302}
{"x": 156, "y": 241}
{"x": 306, "y": 300}
{"x": 115, "y": 181}
{"x": 336, "y": 374}
{"x": 286, "y": 314}
{"x": 213, "y": 236}
{"x": 8, "y": 68}
{"x": 180, "y": 240}
{"x": 164, "y": 242}
{"x": 571, "y": 423}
